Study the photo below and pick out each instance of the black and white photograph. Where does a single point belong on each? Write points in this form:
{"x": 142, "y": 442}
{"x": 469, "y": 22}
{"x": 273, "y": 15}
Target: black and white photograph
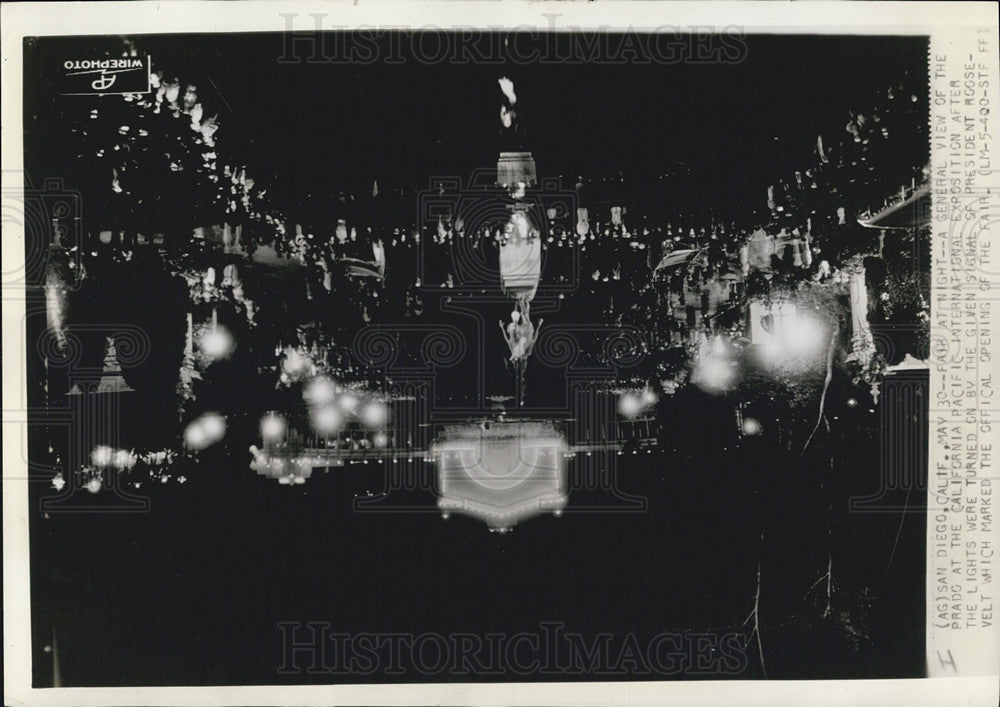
{"x": 496, "y": 354}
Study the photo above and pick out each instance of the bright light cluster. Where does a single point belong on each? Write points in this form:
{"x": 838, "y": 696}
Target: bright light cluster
{"x": 216, "y": 343}
{"x": 320, "y": 391}
{"x": 331, "y": 407}
{"x": 631, "y": 404}
{"x": 751, "y": 427}
{"x": 205, "y": 431}
{"x": 714, "y": 373}
{"x": 103, "y": 456}
{"x": 327, "y": 419}
{"x": 802, "y": 335}
{"x": 273, "y": 428}
{"x": 795, "y": 337}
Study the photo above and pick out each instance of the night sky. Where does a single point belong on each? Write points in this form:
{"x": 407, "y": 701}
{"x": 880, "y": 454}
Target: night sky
{"x": 308, "y": 129}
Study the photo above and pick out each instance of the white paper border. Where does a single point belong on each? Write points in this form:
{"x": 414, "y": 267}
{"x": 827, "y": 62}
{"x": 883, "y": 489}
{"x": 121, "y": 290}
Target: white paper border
{"x": 952, "y": 22}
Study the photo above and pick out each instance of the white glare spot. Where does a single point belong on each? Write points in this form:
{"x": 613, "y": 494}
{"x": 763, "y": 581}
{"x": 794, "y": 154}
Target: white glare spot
{"x": 714, "y": 374}
{"x": 374, "y": 414}
{"x": 327, "y": 420}
{"x": 802, "y": 334}
{"x": 348, "y": 402}
{"x": 319, "y": 391}
{"x": 102, "y": 455}
{"x": 195, "y": 437}
{"x": 629, "y": 404}
{"x": 217, "y": 343}
{"x": 272, "y": 427}
{"x": 214, "y": 426}
{"x": 205, "y": 431}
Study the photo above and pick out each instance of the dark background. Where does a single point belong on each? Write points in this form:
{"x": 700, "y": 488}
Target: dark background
{"x": 308, "y": 130}
{"x": 191, "y": 592}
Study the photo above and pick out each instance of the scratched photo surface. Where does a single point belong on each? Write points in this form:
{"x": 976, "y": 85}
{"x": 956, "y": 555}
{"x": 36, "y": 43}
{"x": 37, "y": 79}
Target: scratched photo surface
{"x": 439, "y": 357}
